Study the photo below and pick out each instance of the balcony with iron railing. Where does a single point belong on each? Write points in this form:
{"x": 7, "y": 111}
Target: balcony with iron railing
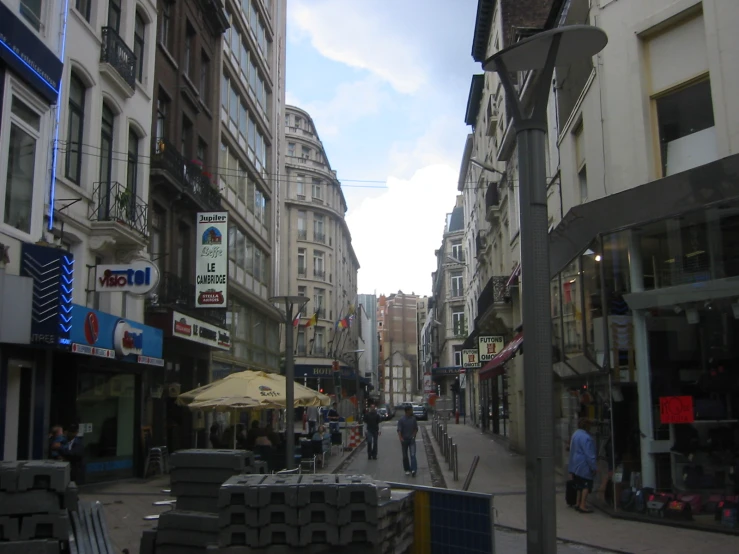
{"x": 319, "y": 350}
{"x": 175, "y": 293}
{"x": 113, "y": 202}
{"x": 302, "y": 234}
{"x": 319, "y": 237}
{"x": 319, "y": 274}
{"x": 188, "y": 176}
{"x": 302, "y": 272}
{"x": 115, "y": 53}
{"x": 495, "y": 292}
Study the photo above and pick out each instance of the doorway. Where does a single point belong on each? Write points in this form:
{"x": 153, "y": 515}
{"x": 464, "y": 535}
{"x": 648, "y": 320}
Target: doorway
{"x": 19, "y": 411}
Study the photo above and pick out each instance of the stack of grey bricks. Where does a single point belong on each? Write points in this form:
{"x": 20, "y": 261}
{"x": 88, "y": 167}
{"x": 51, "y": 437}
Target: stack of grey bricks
{"x": 35, "y": 500}
{"x": 196, "y": 478}
{"x": 313, "y": 514}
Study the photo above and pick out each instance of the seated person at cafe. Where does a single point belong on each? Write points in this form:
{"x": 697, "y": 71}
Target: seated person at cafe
{"x": 274, "y": 438}
{"x": 262, "y": 438}
{"x": 333, "y": 417}
{"x": 252, "y": 434}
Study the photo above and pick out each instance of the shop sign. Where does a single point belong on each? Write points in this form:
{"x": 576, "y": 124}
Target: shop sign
{"x": 428, "y": 384}
{"x": 22, "y": 50}
{"x": 139, "y": 277}
{"x": 189, "y": 328}
{"x": 211, "y": 267}
{"x": 104, "y": 335}
{"x": 489, "y": 347}
{"x": 52, "y": 271}
{"x": 676, "y": 409}
{"x": 470, "y": 359}
{"x": 439, "y": 371}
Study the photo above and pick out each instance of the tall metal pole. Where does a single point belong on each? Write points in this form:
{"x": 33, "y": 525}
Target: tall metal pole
{"x": 290, "y": 388}
{"x": 356, "y": 390}
{"x": 541, "y": 536}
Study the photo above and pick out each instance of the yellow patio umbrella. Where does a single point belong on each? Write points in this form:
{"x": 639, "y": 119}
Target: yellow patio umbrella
{"x": 249, "y": 389}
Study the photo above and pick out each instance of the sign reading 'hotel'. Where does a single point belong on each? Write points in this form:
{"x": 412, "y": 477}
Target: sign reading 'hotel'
{"x": 211, "y": 269}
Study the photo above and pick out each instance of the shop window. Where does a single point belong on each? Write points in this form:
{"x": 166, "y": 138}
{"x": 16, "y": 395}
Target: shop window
{"x": 75, "y": 128}
{"x": 687, "y": 135}
{"x": 21, "y": 137}
{"x": 107, "y": 405}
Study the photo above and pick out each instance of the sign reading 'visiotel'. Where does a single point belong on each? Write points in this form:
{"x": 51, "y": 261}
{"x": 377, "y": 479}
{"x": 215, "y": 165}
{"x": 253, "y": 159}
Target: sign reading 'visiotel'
{"x": 211, "y": 267}
{"x": 139, "y": 277}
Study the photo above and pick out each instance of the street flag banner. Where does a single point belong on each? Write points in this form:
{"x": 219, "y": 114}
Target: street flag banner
{"x": 313, "y": 320}
{"x": 296, "y": 321}
{"x": 211, "y": 260}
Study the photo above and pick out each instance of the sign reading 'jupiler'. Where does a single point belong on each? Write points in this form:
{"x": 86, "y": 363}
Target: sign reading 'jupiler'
{"x": 211, "y": 269}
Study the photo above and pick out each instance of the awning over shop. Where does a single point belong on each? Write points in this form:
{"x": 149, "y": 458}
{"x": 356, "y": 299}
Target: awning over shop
{"x": 495, "y": 366}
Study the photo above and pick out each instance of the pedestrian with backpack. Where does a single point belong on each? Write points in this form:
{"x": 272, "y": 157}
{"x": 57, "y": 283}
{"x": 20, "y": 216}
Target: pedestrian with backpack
{"x": 582, "y": 464}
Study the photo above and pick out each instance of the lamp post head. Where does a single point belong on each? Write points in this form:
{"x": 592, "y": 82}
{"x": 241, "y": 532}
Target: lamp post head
{"x": 576, "y": 43}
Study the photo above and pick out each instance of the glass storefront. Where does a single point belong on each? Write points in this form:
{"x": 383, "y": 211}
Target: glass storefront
{"x": 106, "y": 405}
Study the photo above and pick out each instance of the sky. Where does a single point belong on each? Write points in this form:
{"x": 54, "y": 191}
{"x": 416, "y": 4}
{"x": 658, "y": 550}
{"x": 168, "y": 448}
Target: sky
{"x": 386, "y": 82}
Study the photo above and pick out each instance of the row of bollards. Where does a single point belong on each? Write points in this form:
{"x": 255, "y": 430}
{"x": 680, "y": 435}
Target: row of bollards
{"x": 447, "y": 445}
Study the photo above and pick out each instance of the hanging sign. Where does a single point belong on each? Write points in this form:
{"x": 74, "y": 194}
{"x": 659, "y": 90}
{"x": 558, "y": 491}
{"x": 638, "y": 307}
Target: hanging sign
{"x": 676, "y": 409}
{"x": 470, "y": 359}
{"x": 489, "y": 347}
{"x": 138, "y": 277}
{"x": 211, "y": 268}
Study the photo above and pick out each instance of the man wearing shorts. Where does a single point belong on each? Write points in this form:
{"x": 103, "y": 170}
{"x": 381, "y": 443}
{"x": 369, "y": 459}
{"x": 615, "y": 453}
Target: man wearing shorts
{"x": 582, "y": 464}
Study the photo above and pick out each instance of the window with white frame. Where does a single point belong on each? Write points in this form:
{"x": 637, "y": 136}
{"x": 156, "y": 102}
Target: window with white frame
{"x": 319, "y": 341}
{"x": 319, "y": 300}
{"x": 317, "y": 190}
{"x": 319, "y": 233}
{"x": 31, "y": 10}
{"x": 139, "y": 45}
{"x": 300, "y": 185}
{"x": 457, "y": 251}
{"x": 302, "y": 262}
{"x": 302, "y": 224}
{"x": 291, "y": 149}
{"x": 457, "y": 284}
{"x": 302, "y": 290}
{"x": 300, "y": 346}
{"x": 458, "y": 324}
{"x": 83, "y": 7}
{"x": 457, "y": 356}
{"x": 22, "y": 149}
{"x": 319, "y": 267}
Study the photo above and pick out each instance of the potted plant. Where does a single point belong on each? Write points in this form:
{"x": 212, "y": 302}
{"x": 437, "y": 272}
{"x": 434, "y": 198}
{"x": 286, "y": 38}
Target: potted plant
{"x": 123, "y": 202}
{"x": 196, "y": 166}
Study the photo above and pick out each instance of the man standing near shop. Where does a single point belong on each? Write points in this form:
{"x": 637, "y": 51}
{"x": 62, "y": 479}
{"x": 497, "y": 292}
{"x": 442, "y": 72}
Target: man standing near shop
{"x": 407, "y": 430}
{"x": 372, "y": 421}
{"x": 312, "y": 419}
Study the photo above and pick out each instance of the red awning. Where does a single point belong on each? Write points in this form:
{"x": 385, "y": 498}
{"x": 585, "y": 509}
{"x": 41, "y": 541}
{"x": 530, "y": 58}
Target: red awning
{"x": 496, "y": 366}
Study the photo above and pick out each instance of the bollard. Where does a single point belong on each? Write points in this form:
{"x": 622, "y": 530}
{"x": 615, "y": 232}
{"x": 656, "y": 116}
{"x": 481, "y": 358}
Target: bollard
{"x": 443, "y": 445}
{"x": 456, "y": 463}
{"x": 449, "y": 447}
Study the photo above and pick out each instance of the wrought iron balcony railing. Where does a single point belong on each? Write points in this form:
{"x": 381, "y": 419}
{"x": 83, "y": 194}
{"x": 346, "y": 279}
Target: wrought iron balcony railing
{"x": 176, "y": 293}
{"x": 302, "y": 272}
{"x": 319, "y": 274}
{"x": 319, "y": 350}
{"x": 188, "y": 175}
{"x": 302, "y": 234}
{"x": 115, "y": 52}
{"x": 112, "y": 201}
{"x": 319, "y": 237}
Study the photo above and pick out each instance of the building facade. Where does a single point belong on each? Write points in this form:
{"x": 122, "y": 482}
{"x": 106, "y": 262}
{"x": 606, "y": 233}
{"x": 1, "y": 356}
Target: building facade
{"x": 642, "y": 201}
{"x": 422, "y": 312}
{"x": 252, "y": 92}
{"x": 398, "y": 347}
{"x": 318, "y": 260}
{"x": 183, "y": 181}
{"x": 368, "y": 303}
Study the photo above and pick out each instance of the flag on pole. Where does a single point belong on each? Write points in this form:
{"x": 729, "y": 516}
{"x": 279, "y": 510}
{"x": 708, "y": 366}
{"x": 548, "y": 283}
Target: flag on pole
{"x": 296, "y": 321}
{"x": 313, "y": 320}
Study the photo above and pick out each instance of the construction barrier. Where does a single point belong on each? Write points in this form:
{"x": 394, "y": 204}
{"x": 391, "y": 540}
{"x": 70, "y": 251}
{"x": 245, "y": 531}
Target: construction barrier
{"x": 447, "y": 520}
{"x": 354, "y": 438}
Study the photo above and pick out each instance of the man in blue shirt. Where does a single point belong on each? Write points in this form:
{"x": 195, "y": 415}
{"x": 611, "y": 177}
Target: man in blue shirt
{"x": 407, "y": 430}
{"x": 582, "y": 464}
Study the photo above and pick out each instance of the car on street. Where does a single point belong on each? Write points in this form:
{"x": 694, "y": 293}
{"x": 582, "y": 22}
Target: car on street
{"x": 382, "y": 411}
{"x": 420, "y": 412}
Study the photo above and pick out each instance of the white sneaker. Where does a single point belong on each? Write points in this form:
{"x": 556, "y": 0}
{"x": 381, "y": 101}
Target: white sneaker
{"x": 407, "y": 472}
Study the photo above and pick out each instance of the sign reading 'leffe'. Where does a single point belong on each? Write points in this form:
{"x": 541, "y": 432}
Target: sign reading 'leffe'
{"x": 211, "y": 267}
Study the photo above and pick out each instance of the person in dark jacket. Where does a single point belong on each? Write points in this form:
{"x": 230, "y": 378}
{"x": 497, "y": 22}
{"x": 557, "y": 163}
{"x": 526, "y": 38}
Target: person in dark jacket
{"x": 73, "y": 452}
{"x": 372, "y": 420}
{"x": 215, "y": 436}
{"x": 582, "y": 464}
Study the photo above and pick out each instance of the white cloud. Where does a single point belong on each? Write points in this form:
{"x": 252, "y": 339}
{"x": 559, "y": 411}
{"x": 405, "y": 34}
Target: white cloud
{"x": 351, "y": 102}
{"x": 395, "y": 234}
{"x": 361, "y": 36}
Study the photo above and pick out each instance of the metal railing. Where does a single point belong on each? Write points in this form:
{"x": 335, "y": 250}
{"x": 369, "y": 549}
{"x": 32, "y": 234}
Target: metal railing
{"x": 319, "y": 237}
{"x": 112, "y": 201}
{"x": 446, "y": 444}
{"x": 176, "y": 293}
{"x": 116, "y": 52}
{"x": 189, "y": 176}
{"x": 302, "y": 234}
{"x": 318, "y": 274}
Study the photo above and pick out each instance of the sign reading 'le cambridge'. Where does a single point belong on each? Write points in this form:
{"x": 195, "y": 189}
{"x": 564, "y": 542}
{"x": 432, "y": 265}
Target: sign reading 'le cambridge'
{"x": 211, "y": 269}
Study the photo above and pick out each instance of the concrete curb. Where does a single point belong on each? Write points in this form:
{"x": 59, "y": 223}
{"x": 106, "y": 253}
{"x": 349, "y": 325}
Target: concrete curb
{"x": 350, "y": 457}
{"x": 564, "y": 541}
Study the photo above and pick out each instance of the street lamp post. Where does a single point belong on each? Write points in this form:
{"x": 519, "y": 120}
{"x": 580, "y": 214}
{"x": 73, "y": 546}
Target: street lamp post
{"x": 544, "y": 51}
{"x": 356, "y": 380}
{"x": 290, "y": 303}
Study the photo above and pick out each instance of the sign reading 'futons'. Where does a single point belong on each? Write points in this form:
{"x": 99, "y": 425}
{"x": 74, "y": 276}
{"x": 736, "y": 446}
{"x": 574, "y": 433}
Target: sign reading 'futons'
{"x": 211, "y": 269}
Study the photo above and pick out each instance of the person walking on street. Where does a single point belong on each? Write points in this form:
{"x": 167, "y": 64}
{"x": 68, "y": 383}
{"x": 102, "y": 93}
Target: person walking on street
{"x": 312, "y": 419}
{"x": 372, "y": 421}
{"x": 582, "y": 464}
{"x": 407, "y": 430}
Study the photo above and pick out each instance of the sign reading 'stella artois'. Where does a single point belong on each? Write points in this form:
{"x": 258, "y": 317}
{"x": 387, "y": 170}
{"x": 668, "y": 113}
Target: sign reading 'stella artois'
{"x": 211, "y": 270}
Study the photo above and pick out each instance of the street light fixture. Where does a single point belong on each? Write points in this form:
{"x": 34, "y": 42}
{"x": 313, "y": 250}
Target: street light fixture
{"x": 543, "y": 51}
{"x": 290, "y": 303}
{"x": 486, "y": 167}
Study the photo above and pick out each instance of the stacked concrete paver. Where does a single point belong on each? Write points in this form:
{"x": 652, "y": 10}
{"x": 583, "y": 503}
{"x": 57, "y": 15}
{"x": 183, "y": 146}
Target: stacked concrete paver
{"x": 35, "y": 500}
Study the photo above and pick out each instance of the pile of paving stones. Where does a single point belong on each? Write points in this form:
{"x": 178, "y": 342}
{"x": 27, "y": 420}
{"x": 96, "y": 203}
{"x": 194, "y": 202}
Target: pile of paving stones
{"x": 36, "y": 498}
{"x": 223, "y": 505}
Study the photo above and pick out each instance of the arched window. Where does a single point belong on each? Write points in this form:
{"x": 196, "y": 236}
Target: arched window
{"x": 75, "y": 128}
{"x": 106, "y": 144}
